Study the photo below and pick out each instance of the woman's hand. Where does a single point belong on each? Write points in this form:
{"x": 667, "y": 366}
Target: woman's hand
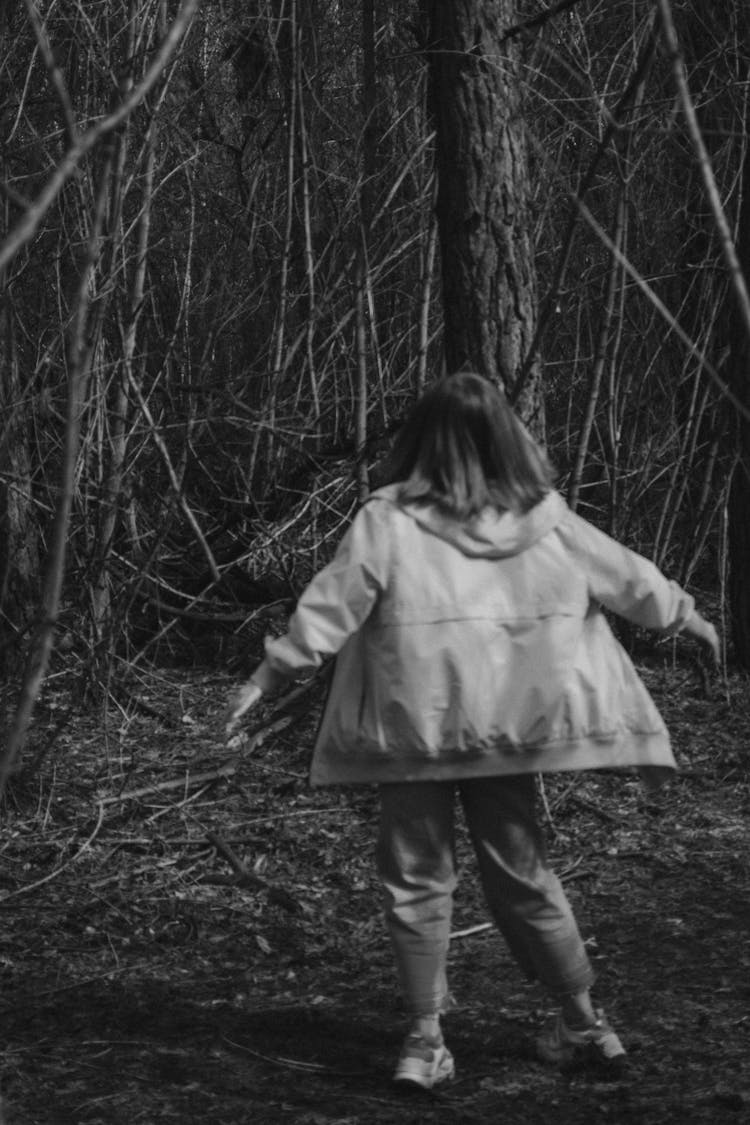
{"x": 240, "y": 702}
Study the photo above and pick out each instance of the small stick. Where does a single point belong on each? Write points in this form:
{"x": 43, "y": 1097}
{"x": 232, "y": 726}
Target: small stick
{"x": 179, "y": 805}
{"x": 53, "y": 874}
{"x": 545, "y": 803}
{"x": 228, "y": 769}
{"x": 235, "y": 863}
{"x": 295, "y": 1064}
{"x": 583, "y": 803}
{"x": 247, "y": 878}
{"x": 277, "y": 721}
{"x": 472, "y": 930}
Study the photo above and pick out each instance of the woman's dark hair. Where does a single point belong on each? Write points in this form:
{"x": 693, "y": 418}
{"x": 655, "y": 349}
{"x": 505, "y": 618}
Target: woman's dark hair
{"x": 464, "y": 449}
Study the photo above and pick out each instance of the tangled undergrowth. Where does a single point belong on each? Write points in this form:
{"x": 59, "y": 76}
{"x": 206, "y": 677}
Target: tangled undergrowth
{"x": 190, "y": 934}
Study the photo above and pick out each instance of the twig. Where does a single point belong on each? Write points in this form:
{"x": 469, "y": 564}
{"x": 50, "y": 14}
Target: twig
{"x": 292, "y": 813}
{"x": 614, "y": 123}
{"x": 56, "y": 872}
{"x": 591, "y": 807}
{"x": 227, "y": 770}
{"x": 26, "y": 228}
{"x": 698, "y": 353}
{"x": 539, "y": 20}
{"x": 279, "y": 769}
{"x": 571, "y": 871}
{"x": 234, "y": 862}
{"x": 561, "y": 798}
{"x": 84, "y": 981}
{"x": 245, "y": 878}
{"x": 295, "y": 1064}
{"x": 547, "y": 811}
{"x": 177, "y": 484}
{"x": 145, "y": 868}
{"x": 726, "y": 241}
{"x": 278, "y": 720}
{"x": 180, "y": 805}
{"x": 148, "y": 709}
{"x": 478, "y": 929}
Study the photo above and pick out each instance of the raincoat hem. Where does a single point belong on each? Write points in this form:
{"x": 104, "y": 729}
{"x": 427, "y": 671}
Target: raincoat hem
{"x": 624, "y": 751}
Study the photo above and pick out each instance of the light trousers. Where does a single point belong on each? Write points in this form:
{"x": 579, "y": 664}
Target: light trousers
{"x": 416, "y": 862}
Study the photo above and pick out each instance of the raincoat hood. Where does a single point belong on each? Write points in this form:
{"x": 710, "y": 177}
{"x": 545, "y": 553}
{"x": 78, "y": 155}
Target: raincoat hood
{"x": 491, "y": 534}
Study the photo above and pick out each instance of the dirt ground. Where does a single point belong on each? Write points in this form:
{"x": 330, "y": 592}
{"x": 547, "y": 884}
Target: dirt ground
{"x": 181, "y": 947}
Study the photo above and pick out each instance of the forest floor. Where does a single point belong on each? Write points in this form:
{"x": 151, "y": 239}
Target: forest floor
{"x": 143, "y": 980}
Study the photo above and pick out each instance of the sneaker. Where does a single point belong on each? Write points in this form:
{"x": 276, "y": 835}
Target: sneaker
{"x": 424, "y": 1062}
{"x": 562, "y": 1045}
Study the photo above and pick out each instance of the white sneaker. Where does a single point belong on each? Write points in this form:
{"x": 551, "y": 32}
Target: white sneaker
{"x": 424, "y": 1062}
{"x": 562, "y": 1045}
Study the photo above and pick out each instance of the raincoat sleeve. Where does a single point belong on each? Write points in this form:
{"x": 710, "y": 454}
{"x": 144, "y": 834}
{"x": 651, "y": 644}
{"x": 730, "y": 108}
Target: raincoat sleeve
{"x": 625, "y": 582}
{"x": 335, "y": 604}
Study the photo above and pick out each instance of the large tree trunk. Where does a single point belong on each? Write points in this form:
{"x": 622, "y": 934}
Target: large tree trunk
{"x": 489, "y": 291}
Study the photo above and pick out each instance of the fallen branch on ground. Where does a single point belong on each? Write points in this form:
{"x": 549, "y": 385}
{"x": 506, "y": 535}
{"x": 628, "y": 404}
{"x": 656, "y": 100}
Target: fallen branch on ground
{"x": 245, "y": 878}
{"x": 53, "y": 874}
{"x": 227, "y": 769}
{"x": 285, "y": 712}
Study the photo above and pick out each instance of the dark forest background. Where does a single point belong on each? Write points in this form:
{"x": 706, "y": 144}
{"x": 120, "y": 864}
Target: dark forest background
{"x": 239, "y": 238}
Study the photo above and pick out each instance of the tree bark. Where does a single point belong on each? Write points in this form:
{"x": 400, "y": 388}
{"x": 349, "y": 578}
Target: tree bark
{"x": 489, "y": 290}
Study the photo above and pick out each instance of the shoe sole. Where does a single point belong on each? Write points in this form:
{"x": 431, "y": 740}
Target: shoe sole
{"x": 580, "y": 1055}
{"x": 414, "y": 1077}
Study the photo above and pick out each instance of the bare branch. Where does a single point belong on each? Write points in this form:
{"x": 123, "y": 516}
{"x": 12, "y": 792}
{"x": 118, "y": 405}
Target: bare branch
{"x": 662, "y": 309}
{"x": 539, "y": 20}
{"x": 176, "y": 485}
{"x": 82, "y": 143}
{"x": 55, "y": 74}
{"x": 736, "y": 276}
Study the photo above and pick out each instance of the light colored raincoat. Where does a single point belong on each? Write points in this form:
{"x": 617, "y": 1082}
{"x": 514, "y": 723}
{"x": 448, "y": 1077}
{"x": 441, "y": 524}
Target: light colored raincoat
{"x": 477, "y": 649}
